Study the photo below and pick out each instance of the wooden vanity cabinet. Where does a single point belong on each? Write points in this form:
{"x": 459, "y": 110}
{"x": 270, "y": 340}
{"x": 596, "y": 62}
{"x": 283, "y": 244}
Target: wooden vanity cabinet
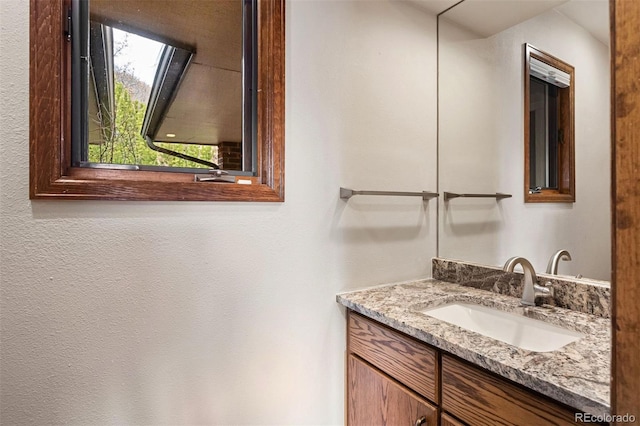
{"x": 394, "y": 379}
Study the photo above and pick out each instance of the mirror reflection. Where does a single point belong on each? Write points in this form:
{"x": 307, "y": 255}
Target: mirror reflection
{"x": 481, "y": 130}
{"x": 549, "y": 166}
{"x": 164, "y": 87}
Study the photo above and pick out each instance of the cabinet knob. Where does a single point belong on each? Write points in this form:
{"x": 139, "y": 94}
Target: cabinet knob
{"x": 421, "y": 421}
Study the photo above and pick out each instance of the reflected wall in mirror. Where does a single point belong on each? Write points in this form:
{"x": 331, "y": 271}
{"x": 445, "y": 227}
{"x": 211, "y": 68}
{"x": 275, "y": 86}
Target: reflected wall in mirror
{"x": 164, "y": 88}
{"x": 549, "y": 165}
{"x": 481, "y": 126}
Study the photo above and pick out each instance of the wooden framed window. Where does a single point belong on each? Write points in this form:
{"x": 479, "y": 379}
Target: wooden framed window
{"x": 54, "y": 174}
{"x": 549, "y": 148}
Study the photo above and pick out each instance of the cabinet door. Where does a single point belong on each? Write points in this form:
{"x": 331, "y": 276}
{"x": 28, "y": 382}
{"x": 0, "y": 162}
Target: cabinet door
{"x": 375, "y": 399}
{"x": 447, "y": 420}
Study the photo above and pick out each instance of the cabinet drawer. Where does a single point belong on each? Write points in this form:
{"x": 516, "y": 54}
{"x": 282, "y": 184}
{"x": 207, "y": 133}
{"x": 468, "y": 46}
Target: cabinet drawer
{"x": 479, "y": 398}
{"x": 407, "y": 360}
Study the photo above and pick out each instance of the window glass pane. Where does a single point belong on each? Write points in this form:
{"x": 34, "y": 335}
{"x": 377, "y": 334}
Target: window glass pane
{"x": 538, "y": 131}
{"x": 543, "y": 135}
{"x": 165, "y": 89}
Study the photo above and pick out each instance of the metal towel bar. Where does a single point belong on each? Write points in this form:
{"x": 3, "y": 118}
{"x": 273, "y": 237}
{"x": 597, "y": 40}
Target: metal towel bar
{"x": 498, "y": 196}
{"x": 346, "y": 193}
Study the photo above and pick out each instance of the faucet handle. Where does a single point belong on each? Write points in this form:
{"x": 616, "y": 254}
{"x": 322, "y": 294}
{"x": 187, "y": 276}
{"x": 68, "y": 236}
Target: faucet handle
{"x": 543, "y": 289}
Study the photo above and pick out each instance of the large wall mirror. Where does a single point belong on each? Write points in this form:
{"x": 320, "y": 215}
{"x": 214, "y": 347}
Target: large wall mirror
{"x": 157, "y": 99}
{"x": 482, "y": 48}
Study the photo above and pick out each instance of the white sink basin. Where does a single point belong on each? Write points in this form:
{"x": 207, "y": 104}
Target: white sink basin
{"x": 516, "y": 330}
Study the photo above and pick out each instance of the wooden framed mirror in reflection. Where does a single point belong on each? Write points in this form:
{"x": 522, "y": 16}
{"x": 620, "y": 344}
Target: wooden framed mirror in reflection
{"x": 549, "y": 129}
{"x": 482, "y": 127}
{"x": 157, "y": 99}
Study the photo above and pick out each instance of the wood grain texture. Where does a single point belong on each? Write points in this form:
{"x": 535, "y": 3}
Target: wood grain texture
{"x": 479, "y": 398}
{"x": 409, "y": 361}
{"x": 271, "y": 85}
{"x": 50, "y": 171}
{"x": 375, "y": 399}
{"x": 566, "y": 192}
{"x": 625, "y": 193}
{"x": 447, "y": 420}
{"x": 46, "y": 92}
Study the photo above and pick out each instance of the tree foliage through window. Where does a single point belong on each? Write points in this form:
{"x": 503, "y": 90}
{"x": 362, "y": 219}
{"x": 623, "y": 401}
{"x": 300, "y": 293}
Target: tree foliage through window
{"x": 123, "y": 143}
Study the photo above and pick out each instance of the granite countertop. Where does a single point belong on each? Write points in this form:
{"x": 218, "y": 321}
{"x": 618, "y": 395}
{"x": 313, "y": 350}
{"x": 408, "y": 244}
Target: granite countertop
{"x": 577, "y": 374}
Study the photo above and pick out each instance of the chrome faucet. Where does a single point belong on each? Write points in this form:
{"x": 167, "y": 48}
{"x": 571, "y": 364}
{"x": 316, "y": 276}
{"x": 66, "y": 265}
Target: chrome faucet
{"x": 530, "y": 286}
{"x": 552, "y": 266}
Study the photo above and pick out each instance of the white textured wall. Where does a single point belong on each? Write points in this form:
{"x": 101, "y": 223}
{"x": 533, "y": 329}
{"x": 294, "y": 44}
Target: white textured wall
{"x": 210, "y": 313}
{"x": 489, "y": 232}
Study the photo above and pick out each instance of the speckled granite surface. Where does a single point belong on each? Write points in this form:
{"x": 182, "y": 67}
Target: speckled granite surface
{"x": 577, "y": 294}
{"x": 576, "y": 374}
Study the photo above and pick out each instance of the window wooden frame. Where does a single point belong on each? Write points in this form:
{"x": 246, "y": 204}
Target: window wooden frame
{"x": 50, "y": 171}
{"x": 566, "y": 192}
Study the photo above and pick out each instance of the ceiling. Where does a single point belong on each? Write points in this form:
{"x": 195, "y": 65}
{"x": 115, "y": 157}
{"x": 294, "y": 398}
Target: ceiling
{"x": 588, "y": 14}
{"x": 489, "y": 17}
{"x": 433, "y": 6}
